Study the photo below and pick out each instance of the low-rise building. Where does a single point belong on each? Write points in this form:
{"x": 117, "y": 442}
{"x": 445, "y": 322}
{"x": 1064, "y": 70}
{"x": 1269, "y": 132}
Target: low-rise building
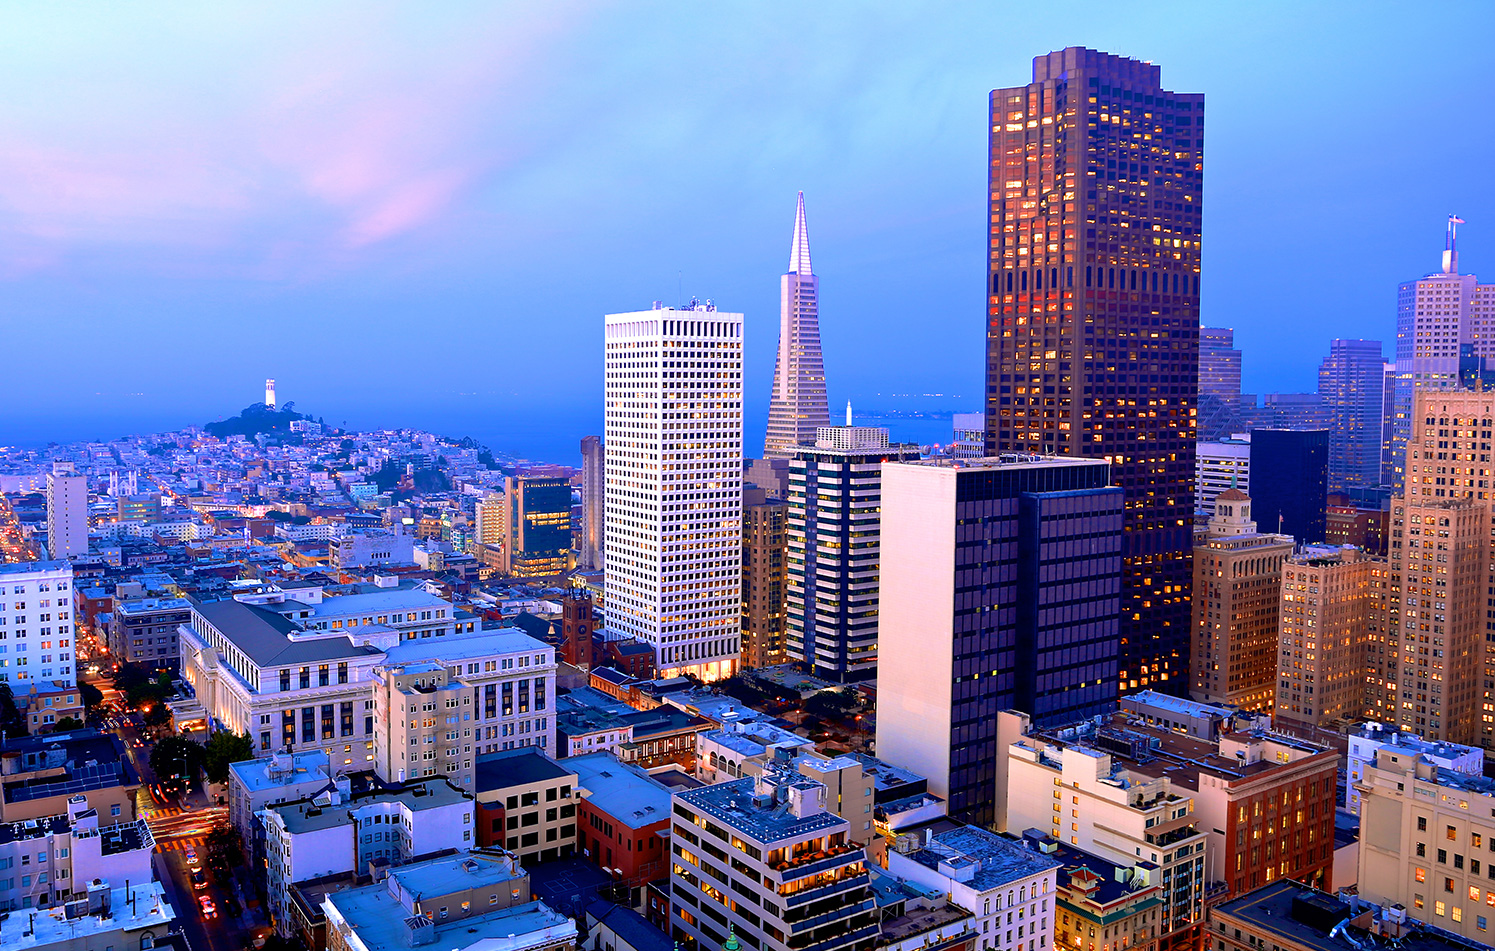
{"x": 1366, "y": 740}
{"x": 471, "y": 902}
{"x": 332, "y": 834}
{"x": 1427, "y": 842}
{"x": 762, "y": 857}
{"x": 53, "y": 860}
{"x": 1101, "y": 904}
{"x": 41, "y": 775}
{"x": 144, "y": 631}
{"x": 1009, "y": 887}
{"x": 623, "y": 818}
{"x": 526, "y": 804}
{"x": 1289, "y": 916}
{"x": 46, "y": 703}
{"x": 134, "y": 916}
{"x": 271, "y": 780}
{"x": 741, "y": 749}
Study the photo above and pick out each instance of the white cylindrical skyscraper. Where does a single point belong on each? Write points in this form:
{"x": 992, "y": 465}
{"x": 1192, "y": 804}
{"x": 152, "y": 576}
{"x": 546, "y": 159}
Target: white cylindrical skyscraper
{"x": 270, "y": 393}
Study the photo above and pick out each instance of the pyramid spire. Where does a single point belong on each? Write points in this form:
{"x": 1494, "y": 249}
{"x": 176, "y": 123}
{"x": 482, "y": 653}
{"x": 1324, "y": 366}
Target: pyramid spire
{"x": 799, "y": 251}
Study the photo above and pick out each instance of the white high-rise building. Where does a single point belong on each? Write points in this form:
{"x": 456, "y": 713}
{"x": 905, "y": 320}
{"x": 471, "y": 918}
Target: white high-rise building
{"x": 1435, "y": 316}
{"x": 37, "y": 626}
{"x": 1221, "y": 465}
{"x": 673, "y": 500}
{"x": 67, "y": 512}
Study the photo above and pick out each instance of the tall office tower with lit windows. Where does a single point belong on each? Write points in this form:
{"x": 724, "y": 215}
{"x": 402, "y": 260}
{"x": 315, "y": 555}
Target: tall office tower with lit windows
{"x": 673, "y": 501}
{"x": 593, "y": 457}
{"x": 1351, "y": 384}
{"x": 1436, "y": 316}
{"x": 798, "y": 405}
{"x": 1093, "y": 312}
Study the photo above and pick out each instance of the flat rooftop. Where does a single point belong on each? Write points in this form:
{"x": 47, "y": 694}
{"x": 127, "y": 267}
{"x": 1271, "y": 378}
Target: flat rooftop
{"x": 378, "y": 919}
{"x": 282, "y": 769}
{"x": 1001, "y": 859}
{"x": 731, "y": 803}
{"x": 625, "y": 792}
{"x": 455, "y": 647}
{"x": 455, "y": 873}
{"x": 305, "y": 816}
{"x": 521, "y": 766}
{"x": 1296, "y": 914}
{"x": 33, "y": 567}
{"x": 52, "y": 928}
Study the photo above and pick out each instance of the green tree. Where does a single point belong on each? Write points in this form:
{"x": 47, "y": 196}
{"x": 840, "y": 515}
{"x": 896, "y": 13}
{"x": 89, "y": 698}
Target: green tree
{"x": 175, "y": 756}
{"x": 67, "y": 723}
{"x": 12, "y": 723}
{"x": 92, "y": 696}
{"x": 223, "y": 749}
{"x": 225, "y": 849}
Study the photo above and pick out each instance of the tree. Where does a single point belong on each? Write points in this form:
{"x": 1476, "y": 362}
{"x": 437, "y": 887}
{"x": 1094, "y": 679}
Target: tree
{"x": 175, "y": 756}
{"x": 157, "y": 713}
{"x": 225, "y": 849}
{"x": 92, "y": 696}
{"x": 12, "y": 723}
{"x": 833, "y": 704}
{"x": 223, "y": 749}
{"x": 67, "y": 723}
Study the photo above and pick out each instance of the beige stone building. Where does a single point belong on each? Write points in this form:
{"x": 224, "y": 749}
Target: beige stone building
{"x": 1426, "y": 842}
{"x": 1333, "y": 609}
{"x": 1237, "y": 575}
{"x": 765, "y": 578}
{"x": 527, "y": 805}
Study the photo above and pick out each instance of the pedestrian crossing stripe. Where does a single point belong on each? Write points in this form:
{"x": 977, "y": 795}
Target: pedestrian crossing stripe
{"x": 182, "y": 845}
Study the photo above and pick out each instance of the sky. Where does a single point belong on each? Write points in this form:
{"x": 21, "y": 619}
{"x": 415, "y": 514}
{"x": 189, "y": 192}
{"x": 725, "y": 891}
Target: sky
{"x": 417, "y": 214}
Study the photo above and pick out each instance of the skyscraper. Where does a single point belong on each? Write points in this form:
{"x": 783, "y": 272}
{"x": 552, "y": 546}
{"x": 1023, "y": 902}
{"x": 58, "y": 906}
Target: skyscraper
{"x": 1351, "y": 382}
{"x": 673, "y": 510}
{"x": 537, "y": 524}
{"x": 764, "y": 583}
{"x": 1001, "y": 586}
{"x": 67, "y": 512}
{"x": 1237, "y": 582}
{"x": 1093, "y": 311}
{"x": 593, "y": 463}
{"x": 1434, "y": 317}
{"x": 1333, "y": 612}
{"x": 835, "y": 505}
{"x": 1219, "y": 383}
{"x": 1290, "y": 481}
{"x": 798, "y": 405}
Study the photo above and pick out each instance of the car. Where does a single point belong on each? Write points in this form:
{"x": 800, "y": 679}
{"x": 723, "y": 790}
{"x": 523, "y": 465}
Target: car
{"x": 199, "y": 880}
{"x": 191, "y": 858}
{"x": 209, "y": 910}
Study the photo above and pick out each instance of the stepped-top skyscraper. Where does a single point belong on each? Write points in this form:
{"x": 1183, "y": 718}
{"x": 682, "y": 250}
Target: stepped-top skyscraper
{"x": 798, "y": 406}
{"x": 1093, "y": 311}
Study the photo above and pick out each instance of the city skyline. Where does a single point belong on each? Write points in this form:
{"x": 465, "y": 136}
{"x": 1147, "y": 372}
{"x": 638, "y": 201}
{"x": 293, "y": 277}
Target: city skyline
{"x": 296, "y": 206}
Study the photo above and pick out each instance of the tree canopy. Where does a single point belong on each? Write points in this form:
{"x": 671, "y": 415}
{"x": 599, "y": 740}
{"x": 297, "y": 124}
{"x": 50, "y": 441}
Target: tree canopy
{"x": 222, "y": 750}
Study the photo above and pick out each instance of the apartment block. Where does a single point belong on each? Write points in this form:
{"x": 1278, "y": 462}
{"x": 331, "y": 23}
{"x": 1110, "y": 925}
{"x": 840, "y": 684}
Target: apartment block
{"x": 144, "y": 631}
{"x": 764, "y": 578}
{"x": 1334, "y": 609}
{"x": 1427, "y": 842}
{"x": 527, "y": 804}
{"x": 1237, "y": 577}
{"x": 54, "y": 860}
{"x": 1366, "y": 741}
{"x": 254, "y": 784}
{"x": 67, "y": 512}
{"x": 1009, "y": 888}
{"x": 332, "y": 833}
{"x": 36, "y": 624}
{"x": 763, "y": 858}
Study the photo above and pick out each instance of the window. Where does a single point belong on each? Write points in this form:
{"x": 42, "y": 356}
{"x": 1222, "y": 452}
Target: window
{"x": 1452, "y": 834}
{"x": 1422, "y": 823}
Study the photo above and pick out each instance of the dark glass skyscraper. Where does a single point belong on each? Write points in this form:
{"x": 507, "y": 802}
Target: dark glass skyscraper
{"x": 1290, "y": 481}
{"x": 1351, "y": 384}
{"x": 1093, "y": 312}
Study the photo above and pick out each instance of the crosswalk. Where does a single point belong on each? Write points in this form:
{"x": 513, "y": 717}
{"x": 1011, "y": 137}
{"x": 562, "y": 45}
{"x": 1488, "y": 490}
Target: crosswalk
{"x": 196, "y": 842}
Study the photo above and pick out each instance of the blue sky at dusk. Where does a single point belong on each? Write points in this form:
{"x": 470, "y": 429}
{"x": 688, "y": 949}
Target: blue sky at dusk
{"x": 417, "y": 214}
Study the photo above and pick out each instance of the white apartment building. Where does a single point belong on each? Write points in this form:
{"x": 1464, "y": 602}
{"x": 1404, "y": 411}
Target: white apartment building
{"x": 67, "y": 512}
{"x": 1008, "y": 887}
{"x": 270, "y": 780}
{"x": 36, "y": 623}
{"x": 438, "y": 705}
{"x": 331, "y": 834}
{"x": 1080, "y": 796}
{"x": 52, "y": 860}
{"x": 673, "y": 507}
{"x": 1369, "y": 739}
{"x": 1219, "y": 466}
{"x": 293, "y": 687}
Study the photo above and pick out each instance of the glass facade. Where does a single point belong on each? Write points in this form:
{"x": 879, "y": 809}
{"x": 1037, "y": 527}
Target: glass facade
{"x": 1096, "y": 177}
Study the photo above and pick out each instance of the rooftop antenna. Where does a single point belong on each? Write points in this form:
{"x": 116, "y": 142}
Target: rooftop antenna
{"x": 1450, "y": 245}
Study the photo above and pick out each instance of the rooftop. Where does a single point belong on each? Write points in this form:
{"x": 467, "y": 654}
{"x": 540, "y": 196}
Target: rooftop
{"x": 625, "y": 792}
{"x": 500, "y": 641}
{"x": 34, "y": 567}
{"x": 282, "y": 769}
{"x": 265, "y": 637}
{"x": 304, "y": 815}
{"x": 455, "y": 873}
{"x": 372, "y": 602}
{"x": 1304, "y": 917}
{"x": 1000, "y": 859}
{"x": 633, "y": 928}
{"x": 379, "y": 920}
{"x": 732, "y": 803}
{"x": 136, "y": 606}
{"x": 521, "y": 766}
{"x": 56, "y": 927}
